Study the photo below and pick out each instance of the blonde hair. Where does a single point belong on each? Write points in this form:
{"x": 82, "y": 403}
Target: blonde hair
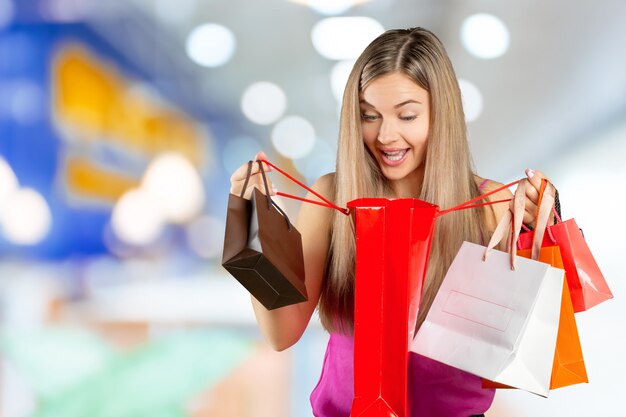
{"x": 448, "y": 177}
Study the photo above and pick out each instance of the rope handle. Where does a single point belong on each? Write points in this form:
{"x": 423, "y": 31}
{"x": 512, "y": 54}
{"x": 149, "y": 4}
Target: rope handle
{"x": 269, "y": 200}
{"x": 468, "y": 204}
{"x": 326, "y": 203}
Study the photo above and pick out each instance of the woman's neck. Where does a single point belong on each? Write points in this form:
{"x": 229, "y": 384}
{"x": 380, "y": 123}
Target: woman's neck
{"x": 409, "y": 186}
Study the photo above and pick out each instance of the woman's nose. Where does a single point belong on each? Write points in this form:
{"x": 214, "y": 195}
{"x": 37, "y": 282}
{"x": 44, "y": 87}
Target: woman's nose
{"x": 387, "y": 133}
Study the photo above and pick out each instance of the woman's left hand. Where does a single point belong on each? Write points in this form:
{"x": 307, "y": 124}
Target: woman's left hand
{"x": 532, "y": 187}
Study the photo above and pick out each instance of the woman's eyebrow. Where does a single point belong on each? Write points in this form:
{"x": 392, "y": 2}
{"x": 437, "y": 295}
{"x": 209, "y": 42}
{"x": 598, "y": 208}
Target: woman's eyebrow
{"x": 406, "y": 102}
{"x": 366, "y": 103}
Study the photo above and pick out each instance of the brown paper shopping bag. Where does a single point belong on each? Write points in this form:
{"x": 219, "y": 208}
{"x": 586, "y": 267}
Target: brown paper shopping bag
{"x": 262, "y": 249}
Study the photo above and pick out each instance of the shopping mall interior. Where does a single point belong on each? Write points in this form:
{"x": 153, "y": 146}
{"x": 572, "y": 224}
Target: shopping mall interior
{"x": 122, "y": 121}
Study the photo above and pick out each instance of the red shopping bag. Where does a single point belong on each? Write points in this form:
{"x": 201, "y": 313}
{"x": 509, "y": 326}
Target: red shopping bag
{"x": 587, "y": 285}
{"x": 392, "y": 244}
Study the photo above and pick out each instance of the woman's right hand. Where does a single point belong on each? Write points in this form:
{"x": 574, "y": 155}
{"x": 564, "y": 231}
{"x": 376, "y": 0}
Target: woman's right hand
{"x": 256, "y": 180}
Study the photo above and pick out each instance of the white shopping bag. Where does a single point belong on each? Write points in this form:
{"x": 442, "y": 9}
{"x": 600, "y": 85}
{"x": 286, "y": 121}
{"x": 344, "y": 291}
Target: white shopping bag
{"x": 495, "y": 322}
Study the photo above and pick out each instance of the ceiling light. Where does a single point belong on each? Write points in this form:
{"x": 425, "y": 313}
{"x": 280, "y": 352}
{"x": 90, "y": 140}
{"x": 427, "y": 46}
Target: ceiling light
{"x": 293, "y": 137}
{"x": 263, "y": 102}
{"x": 485, "y": 36}
{"x": 344, "y": 37}
{"x": 472, "y": 100}
{"x": 211, "y": 45}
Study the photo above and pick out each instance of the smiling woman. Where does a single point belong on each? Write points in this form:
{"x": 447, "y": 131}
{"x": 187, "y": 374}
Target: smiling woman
{"x": 395, "y": 122}
{"x": 402, "y": 135}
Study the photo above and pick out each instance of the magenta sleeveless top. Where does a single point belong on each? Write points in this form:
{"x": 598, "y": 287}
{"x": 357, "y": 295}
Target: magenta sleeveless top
{"x": 436, "y": 390}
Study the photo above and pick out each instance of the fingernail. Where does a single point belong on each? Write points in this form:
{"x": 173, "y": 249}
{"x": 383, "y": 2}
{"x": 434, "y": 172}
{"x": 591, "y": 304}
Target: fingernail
{"x": 274, "y": 189}
{"x": 530, "y": 173}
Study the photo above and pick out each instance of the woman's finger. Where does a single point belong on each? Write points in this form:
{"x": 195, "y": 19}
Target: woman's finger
{"x": 257, "y": 183}
{"x": 241, "y": 172}
{"x": 532, "y": 194}
{"x": 535, "y": 178}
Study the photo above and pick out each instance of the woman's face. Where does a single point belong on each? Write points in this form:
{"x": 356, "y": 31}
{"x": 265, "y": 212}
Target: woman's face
{"x": 395, "y": 122}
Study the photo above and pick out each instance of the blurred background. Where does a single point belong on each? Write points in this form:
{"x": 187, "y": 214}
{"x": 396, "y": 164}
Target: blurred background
{"x": 121, "y": 122}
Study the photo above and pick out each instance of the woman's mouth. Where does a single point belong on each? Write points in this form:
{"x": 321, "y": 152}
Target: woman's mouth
{"x": 395, "y": 157}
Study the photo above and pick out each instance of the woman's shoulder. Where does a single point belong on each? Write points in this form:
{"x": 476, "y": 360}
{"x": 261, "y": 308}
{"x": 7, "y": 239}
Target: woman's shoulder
{"x": 486, "y": 185}
{"x": 325, "y": 185}
{"x": 497, "y": 210}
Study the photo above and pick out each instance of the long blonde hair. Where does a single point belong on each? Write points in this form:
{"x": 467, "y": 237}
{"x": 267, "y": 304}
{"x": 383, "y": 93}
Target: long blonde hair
{"x": 448, "y": 176}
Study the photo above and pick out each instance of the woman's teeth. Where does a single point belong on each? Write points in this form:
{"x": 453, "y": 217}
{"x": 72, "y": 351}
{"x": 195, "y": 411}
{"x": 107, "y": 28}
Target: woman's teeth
{"x": 395, "y": 155}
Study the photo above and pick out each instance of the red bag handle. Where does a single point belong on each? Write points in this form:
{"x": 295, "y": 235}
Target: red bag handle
{"x": 326, "y": 203}
{"x": 468, "y": 204}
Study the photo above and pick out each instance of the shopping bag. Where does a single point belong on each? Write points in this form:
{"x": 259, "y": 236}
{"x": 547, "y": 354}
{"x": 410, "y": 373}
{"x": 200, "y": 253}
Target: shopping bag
{"x": 568, "y": 366}
{"x": 587, "y": 285}
{"x": 494, "y": 321}
{"x": 262, "y": 249}
{"x": 393, "y": 240}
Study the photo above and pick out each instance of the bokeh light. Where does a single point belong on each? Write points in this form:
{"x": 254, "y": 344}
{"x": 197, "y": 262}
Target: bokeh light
{"x": 136, "y": 219}
{"x": 26, "y": 217}
{"x": 344, "y": 37}
{"x": 472, "y": 100}
{"x": 211, "y": 45}
{"x": 485, "y": 36}
{"x": 263, "y": 102}
{"x": 330, "y": 7}
{"x": 293, "y": 137}
{"x": 8, "y": 182}
{"x": 339, "y": 77}
{"x": 175, "y": 186}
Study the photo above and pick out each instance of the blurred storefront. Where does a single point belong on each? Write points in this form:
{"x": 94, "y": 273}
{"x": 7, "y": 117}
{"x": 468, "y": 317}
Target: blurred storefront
{"x": 112, "y": 299}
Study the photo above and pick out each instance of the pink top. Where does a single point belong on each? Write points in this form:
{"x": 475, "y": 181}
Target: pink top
{"x": 436, "y": 390}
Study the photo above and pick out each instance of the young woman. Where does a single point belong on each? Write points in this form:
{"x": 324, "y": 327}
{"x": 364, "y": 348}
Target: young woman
{"x": 402, "y": 135}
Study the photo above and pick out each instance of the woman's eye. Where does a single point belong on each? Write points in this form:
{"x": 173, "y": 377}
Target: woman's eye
{"x": 408, "y": 118}
{"x": 368, "y": 117}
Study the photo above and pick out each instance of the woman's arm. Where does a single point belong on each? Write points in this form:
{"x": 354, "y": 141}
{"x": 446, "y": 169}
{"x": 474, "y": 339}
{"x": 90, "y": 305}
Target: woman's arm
{"x": 284, "y": 326}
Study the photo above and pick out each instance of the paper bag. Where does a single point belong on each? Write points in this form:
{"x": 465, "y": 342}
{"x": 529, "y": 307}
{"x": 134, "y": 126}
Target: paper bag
{"x": 587, "y": 285}
{"x": 568, "y": 366}
{"x": 392, "y": 244}
{"x": 495, "y": 322}
{"x": 263, "y": 250}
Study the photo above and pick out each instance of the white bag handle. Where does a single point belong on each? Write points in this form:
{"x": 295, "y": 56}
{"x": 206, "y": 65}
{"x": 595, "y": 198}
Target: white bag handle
{"x": 547, "y": 196}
